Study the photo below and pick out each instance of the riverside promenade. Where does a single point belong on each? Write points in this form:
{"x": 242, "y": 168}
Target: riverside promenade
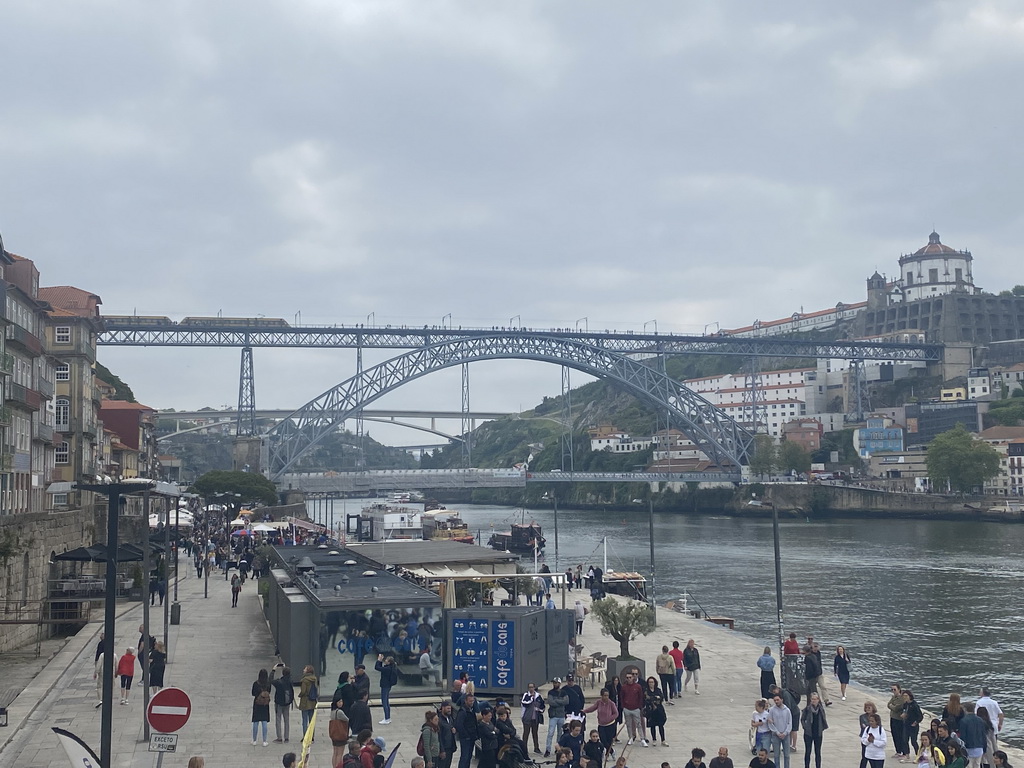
{"x": 216, "y": 652}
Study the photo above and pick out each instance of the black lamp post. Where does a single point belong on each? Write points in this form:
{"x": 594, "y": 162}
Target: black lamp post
{"x": 114, "y": 493}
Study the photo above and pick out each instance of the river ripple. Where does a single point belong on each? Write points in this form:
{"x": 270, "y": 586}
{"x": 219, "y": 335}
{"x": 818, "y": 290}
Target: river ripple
{"x": 933, "y": 605}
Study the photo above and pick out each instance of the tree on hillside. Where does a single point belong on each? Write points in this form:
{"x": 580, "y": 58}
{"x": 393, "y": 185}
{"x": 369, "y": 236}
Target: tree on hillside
{"x": 762, "y": 460}
{"x": 121, "y": 390}
{"x": 958, "y": 461}
{"x": 793, "y": 457}
{"x": 625, "y": 622}
{"x": 249, "y": 486}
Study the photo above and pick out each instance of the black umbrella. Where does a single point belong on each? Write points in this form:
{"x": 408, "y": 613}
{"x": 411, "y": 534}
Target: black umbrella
{"x": 94, "y": 554}
{"x": 97, "y": 553}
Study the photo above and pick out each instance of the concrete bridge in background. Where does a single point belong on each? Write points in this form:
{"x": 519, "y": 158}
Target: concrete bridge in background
{"x": 336, "y": 483}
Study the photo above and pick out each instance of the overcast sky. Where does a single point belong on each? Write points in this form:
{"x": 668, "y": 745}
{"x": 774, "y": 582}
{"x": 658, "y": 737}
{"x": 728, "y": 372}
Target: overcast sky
{"x": 690, "y": 163}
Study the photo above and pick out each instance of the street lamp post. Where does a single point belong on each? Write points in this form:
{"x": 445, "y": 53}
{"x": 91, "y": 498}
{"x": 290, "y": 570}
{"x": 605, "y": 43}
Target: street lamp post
{"x": 650, "y": 527}
{"x": 113, "y": 492}
{"x": 778, "y": 586}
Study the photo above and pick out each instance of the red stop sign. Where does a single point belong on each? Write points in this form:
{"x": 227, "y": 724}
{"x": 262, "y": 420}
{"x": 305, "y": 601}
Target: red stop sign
{"x": 168, "y": 710}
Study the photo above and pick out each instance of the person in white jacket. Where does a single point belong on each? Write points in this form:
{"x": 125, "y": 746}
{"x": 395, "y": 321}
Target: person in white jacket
{"x": 97, "y": 675}
{"x": 874, "y": 740}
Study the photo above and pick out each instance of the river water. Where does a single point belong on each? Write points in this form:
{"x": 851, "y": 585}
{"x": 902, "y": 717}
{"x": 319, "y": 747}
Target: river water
{"x": 933, "y": 605}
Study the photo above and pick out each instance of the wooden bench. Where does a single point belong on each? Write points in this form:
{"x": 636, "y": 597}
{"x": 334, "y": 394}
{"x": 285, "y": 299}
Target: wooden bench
{"x": 723, "y": 621}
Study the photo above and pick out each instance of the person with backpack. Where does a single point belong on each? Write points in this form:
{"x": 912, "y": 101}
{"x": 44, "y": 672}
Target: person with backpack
{"x": 429, "y": 746}
{"x": 309, "y": 693}
{"x": 284, "y": 697}
{"x": 260, "y": 705}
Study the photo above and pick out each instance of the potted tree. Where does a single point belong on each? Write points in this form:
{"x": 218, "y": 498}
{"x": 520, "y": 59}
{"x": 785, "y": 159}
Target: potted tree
{"x": 624, "y": 622}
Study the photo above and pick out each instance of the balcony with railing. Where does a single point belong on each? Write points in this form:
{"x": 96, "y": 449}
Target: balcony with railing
{"x": 18, "y": 335}
{"x": 43, "y": 432}
{"x": 22, "y": 395}
{"x": 45, "y": 387}
{"x": 77, "y": 346}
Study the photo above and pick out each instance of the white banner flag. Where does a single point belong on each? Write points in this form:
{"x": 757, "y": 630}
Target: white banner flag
{"x": 79, "y": 753}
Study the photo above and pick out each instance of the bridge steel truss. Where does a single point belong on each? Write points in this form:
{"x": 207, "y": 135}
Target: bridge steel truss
{"x": 124, "y": 332}
{"x": 722, "y": 439}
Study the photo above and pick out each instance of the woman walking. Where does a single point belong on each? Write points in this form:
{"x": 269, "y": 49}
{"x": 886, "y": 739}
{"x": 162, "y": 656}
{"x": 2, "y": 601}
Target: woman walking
{"x": 874, "y": 740}
{"x": 157, "y": 666}
{"x": 531, "y": 709}
{"x": 815, "y": 724}
{"x": 429, "y": 733}
{"x": 691, "y": 663}
{"x": 841, "y": 669}
{"x": 614, "y": 686}
{"x": 665, "y": 666}
{"x": 953, "y": 712}
{"x": 766, "y": 663}
{"x": 654, "y": 711}
{"x": 388, "y": 679}
{"x": 261, "y": 705}
{"x": 126, "y": 671}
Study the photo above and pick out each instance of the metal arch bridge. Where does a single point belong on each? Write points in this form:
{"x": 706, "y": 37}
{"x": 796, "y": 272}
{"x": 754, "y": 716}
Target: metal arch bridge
{"x": 722, "y": 439}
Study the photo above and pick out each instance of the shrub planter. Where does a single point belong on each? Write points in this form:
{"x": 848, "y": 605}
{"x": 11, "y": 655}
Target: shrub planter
{"x": 617, "y": 667}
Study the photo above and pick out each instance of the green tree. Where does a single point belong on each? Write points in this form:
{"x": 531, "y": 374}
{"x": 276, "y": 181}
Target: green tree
{"x": 763, "y": 459}
{"x": 624, "y": 621}
{"x": 958, "y": 461}
{"x": 250, "y": 487}
{"x": 793, "y": 456}
{"x": 1018, "y": 290}
{"x": 121, "y": 390}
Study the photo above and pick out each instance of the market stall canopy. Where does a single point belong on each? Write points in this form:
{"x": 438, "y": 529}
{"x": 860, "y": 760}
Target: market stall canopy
{"x": 448, "y": 572}
{"x": 263, "y": 528}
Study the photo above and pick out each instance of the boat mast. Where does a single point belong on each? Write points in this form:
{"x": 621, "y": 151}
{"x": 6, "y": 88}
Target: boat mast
{"x": 604, "y": 541}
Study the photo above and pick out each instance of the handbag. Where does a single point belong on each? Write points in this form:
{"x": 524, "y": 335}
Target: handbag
{"x": 338, "y": 729}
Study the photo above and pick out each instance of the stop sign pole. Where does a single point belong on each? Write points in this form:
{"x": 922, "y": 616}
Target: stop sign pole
{"x": 169, "y": 710}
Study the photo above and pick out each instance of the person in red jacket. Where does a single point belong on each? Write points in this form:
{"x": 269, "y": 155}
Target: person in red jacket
{"x": 791, "y": 647}
{"x": 126, "y": 669}
{"x": 677, "y": 656}
{"x": 631, "y": 701}
{"x": 370, "y": 750}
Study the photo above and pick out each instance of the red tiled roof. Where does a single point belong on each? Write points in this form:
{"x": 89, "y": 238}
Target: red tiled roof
{"x": 124, "y": 405}
{"x": 82, "y": 303}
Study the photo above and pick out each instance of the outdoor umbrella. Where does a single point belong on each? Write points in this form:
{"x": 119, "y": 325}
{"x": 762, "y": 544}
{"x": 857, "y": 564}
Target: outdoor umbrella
{"x": 263, "y": 528}
{"x": 241, "y": 532}
{"x": 449, "y": 594}
{"x": 94, "y": 554}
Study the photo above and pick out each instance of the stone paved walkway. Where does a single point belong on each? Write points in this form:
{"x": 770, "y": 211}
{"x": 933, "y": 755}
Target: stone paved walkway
{"x": 216, "y": 652}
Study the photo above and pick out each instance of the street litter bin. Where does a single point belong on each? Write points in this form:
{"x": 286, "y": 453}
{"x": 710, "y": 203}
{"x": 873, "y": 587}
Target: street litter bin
{"x": 175, "y": 613}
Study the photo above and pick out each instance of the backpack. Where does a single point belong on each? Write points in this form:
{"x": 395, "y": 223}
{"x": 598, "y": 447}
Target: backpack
{"x": 419, "y": 745}
{"x": 378, "y": 760}
{"x": 314, "y": 693}
{"x": 287, "y": 692}
{"x": 263, "y": 698}
{"x": 350, "y": 761}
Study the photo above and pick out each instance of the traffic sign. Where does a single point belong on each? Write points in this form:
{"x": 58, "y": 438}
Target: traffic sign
{"x": 163, "y": 742}
{"x": 169, "y": 710}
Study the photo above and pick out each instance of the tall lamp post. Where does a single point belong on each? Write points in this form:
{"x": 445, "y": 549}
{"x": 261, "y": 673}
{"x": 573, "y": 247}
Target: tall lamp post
{"x": 650, "y": 536}
{"x": 113, "y": 492}
{"x": 778, "y": 587}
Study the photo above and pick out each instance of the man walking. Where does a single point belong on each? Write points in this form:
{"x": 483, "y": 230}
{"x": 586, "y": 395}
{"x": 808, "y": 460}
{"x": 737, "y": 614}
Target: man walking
{"x": 972, "y": 733}
{"x": 995, "y": 712}
{"x": 780, "y": 724}
{"x": 631, "y": 701}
